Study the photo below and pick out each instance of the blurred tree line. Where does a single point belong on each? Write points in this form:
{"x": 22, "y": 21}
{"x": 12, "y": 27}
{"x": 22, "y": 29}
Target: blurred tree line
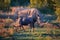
{"x": 19, "y": 2}
{"x": 45, "y": 6}
{"x": 4, "y": 4}
{"x": 57, "y": 9}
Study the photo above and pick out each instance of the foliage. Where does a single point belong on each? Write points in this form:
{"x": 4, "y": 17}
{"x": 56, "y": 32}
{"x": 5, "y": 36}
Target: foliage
{"x": 4, "y": 4}
{"x": 19, "y": 2}
{"x": 38, "y": 3}
{"x": 45, "y": 6}
{"x": 58, "y": 9}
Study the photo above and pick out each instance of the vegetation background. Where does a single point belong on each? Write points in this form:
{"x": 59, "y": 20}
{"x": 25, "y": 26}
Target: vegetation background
{"x": 45, "y": 6}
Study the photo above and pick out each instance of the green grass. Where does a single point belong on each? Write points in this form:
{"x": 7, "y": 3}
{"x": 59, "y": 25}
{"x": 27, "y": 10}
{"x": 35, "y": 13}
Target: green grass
{"x": 37, "y": 35}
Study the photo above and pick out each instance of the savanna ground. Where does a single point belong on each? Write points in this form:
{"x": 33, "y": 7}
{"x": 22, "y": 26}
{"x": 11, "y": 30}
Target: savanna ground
{"x": 39, "y": 34}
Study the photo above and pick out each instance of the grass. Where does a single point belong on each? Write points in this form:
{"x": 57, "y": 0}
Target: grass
{"x": 39, "y": 34}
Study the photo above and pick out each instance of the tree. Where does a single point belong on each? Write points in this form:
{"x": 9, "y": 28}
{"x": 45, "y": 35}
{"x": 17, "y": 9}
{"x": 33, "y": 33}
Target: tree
{"x": 38, "y": 3}
{"x": 4, "y": 4}
{"x": 51, "y": 6}
{"x": 19, "y": 2}
{"x": 58, "y": 9}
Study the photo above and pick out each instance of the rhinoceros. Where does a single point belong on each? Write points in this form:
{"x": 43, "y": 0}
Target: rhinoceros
{"x": 28, "y": 17}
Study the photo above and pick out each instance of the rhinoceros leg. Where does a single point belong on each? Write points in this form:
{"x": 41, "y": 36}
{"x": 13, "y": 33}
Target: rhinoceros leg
{"x": 32, "y": 27}
{"x": 21, "y": 26}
